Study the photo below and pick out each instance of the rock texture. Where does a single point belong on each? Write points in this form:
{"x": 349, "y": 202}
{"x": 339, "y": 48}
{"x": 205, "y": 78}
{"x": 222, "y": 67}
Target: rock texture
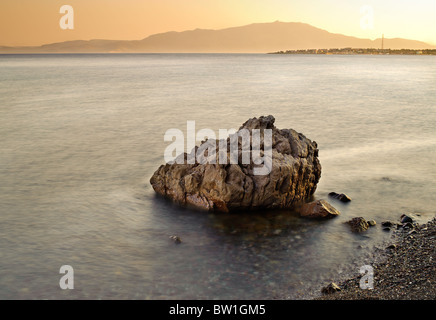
{"x": 358, "y": 224}
{"x": 224, "y": 187}
{"x": 318, "y": 209}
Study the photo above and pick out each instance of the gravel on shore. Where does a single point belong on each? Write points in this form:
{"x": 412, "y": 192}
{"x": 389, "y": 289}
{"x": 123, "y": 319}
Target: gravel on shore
{"x": 408, "y": 273}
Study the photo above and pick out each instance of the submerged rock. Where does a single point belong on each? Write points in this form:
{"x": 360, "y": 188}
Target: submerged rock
{"x": 388, "y": 224}
{"x": 341, "y": 197}
{"x": 293, "y": 177}
{"x": 176, "y": 239}
{"x": 318, "y": 209}
{"x": 358, "y": 224}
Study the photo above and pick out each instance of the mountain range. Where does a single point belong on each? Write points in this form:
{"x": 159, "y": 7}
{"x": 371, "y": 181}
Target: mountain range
{"x": 253, "y": 38}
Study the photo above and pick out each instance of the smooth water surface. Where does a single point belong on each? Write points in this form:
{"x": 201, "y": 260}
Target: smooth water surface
{"x": 81, "y": 135}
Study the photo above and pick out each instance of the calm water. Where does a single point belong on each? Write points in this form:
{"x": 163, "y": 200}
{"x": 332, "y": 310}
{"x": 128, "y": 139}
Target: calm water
{"x": 80, "y": 136}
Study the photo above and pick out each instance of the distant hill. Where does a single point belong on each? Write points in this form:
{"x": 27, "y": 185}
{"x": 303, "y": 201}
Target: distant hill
{"x": 253, "y": 38}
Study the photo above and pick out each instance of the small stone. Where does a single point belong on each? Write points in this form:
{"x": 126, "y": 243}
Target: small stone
{"x": 318, "y": 209}
{"x": 341, "y": 197}
{"x": 176, "y": 239}
{"x": 387, "y": 224}
{"x": 331, "y": 288}
{"x": 371, "y": 223}
{"x": 392, "y": 246}
{"x": 407, "y": 225}
{"x": 358, "y": 224}
{"x": 406, "y": 218}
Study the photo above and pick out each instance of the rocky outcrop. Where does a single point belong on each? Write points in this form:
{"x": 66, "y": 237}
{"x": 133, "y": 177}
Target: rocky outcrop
{"x": 318, "y": 209}
{"x": 293, "y": 177}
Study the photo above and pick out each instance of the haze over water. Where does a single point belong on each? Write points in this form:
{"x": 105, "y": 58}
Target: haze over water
{"x": 81, "y": 135}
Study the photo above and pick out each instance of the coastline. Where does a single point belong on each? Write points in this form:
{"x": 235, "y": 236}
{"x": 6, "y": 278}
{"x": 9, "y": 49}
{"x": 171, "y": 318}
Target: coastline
{"x": 362, "y": 51}
{"x": 407, "y": 273}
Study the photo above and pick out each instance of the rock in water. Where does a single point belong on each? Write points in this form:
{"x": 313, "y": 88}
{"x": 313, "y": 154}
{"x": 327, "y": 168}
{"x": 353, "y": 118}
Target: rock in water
{"x": 371, "y": 223}
{"x": 176, "y": 239}
{"x": 224, "y": 187}
{"x": 407, "y": 218}
{"x": 358, "y": 224}
{"x": 341, "y": 197}
{"x": 318, "y": 209}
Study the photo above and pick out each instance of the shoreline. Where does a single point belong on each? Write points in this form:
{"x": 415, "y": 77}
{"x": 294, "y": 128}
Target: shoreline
{"x": 408, "y": 271}
{"x": 362, "y": 51}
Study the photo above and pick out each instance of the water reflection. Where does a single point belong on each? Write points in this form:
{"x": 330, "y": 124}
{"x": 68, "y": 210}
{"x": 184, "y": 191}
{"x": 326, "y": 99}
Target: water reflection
{"x": 232, "y": 252}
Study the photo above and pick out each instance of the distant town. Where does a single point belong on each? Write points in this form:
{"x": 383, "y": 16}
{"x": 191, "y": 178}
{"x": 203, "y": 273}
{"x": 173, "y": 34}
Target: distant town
{"x": 369, "y": 51}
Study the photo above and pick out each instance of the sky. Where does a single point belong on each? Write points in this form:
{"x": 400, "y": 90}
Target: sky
{"x": 36, "y": 22}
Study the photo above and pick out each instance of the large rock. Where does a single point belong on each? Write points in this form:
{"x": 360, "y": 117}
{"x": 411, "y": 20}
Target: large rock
{"x": 318, "y": 209}
{"x": 293, "y": 178}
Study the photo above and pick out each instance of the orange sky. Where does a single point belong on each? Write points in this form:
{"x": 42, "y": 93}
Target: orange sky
{"x": 36, "y": 22}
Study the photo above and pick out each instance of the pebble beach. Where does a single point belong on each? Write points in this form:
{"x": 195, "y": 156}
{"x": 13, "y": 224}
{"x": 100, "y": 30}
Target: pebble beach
{"x": 407, "y": 273}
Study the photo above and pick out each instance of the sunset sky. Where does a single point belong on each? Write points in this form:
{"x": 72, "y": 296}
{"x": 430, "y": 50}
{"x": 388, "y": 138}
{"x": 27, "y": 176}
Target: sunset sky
{"x": 36, "y": 22}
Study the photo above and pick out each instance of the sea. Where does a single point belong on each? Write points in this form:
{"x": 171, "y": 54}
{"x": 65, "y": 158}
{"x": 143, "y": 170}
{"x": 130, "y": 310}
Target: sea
{"x": 82, "y": 134}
